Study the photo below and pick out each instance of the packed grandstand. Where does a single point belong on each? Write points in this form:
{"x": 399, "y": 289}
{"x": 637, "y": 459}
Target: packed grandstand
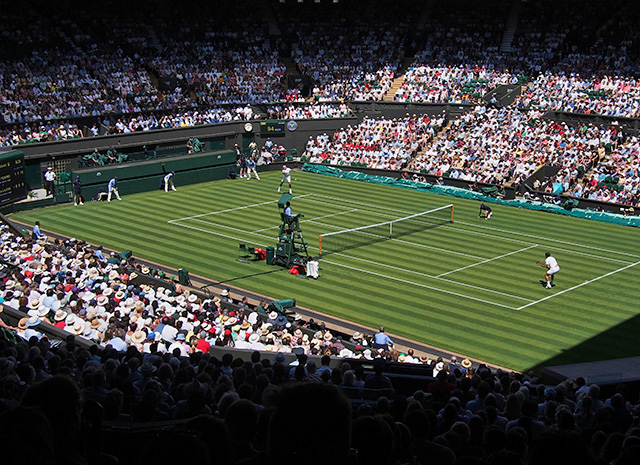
{"x": 83, "y": 72}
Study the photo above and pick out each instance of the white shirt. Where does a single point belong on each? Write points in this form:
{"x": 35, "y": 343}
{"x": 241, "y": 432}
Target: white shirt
{"x": 552, "y": 264}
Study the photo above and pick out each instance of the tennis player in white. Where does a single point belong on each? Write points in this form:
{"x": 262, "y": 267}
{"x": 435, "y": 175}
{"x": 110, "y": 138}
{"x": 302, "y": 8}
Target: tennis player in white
{"x": 552, "y": 269}
{"x": 286, "y": 176}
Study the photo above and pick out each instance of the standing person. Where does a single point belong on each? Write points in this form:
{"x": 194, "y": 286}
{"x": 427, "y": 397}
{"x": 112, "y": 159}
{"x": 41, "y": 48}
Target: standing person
{"x": 286, "y": 176}
{"x": 251, "y": 166}
{"x": 168, "y": 181}
{"x": 552, "y": 268}
{"x": 113, "y": 189}
{"x": 77, "y": 192}
{"x": 243, "y": 165}
{"x": 485, "y": 211}
{"x": 49, "y": 178}
{"x": 36, "y": 234}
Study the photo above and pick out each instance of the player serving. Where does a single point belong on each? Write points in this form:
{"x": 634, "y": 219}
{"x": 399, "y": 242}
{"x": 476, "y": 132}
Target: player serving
{"x": 552, "y": 268}
{"x": 286, "y": 176}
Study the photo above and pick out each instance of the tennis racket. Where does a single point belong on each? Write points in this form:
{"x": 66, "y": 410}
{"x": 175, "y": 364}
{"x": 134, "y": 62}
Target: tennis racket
{"x": 541, "y": 264}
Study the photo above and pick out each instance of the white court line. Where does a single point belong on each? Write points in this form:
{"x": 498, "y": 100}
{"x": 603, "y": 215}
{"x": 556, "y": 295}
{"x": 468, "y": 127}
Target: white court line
{"x": 548, "y": 239}
{"x": 232, "y": 209}
{"x": 520, "y": 241}
{"x": 485, "y": 261}
{"x": 579, "y": 285}
{"x": 420, "y": 285}
{"x": 348, "y": 256}
{"x": 208, "y": 231}
{"x": 415, "y": 244}
{"x": 310, "y": 219}
{"x": 487, "y": 227}
{"x": 493, "y": 236}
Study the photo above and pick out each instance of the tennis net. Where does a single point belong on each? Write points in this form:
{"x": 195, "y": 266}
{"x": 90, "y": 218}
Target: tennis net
{"x": 338, "y": 241}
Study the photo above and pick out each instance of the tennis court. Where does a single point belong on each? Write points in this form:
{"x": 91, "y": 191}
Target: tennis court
{"x": 461, "y": 259}
{"x": 471, "y": 287}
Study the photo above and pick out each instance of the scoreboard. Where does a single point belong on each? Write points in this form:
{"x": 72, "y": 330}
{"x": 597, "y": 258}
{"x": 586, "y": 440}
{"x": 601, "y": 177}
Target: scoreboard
{"x": 12, "y": 180}
{"x": 272, "y": 128}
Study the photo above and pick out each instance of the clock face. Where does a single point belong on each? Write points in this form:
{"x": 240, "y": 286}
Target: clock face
{"x": 248, "y": 127}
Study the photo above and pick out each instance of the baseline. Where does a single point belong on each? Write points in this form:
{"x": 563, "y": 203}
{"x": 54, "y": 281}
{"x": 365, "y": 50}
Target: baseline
{"x": 579, "y": 285}
{"x": 244, "y": 207}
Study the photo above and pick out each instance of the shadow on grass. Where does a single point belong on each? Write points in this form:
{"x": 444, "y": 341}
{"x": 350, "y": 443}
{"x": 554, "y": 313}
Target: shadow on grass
{"x": 620, "y": 341}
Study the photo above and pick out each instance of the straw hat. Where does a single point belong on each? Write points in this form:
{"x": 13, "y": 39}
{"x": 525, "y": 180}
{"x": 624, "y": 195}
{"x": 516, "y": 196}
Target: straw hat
{"x": 138, "y": 337}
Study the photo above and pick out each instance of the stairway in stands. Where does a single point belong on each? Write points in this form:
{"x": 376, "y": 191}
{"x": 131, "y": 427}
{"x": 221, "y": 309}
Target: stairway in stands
{"x": 398, "y": 80}
{"x": 510, "y": 27}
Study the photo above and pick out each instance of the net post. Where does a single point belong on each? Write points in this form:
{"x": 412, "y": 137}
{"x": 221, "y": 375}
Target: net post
{"x": 452, "y": 213}
{"x": 320, "y": 244}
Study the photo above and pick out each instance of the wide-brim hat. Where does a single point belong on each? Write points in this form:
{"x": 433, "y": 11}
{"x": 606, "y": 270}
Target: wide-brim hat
{"x": 95, "y": 323}
{"x": 327, "y": 336}
{"x": 119, "y": 295}
{"x": 108, "y": 291}
{"x": 357, "y": 335}
{"x": 34, "y": 304}
{"x": 281, "y": 320}
{"x": 245, "y": 325}
{"x": 70, "y": 319}
{"x": 34, "y": 321}
{"x": 22, "y": 324}
{"x": 103, "y": 300}
{"x": 113, "y": 274}
{"x": 78, "y": 327}
{"x": 254, "y": 337}
{"x": 273, "y": 315}
{"x": 60, "y": 315}
{"x": 43, "y": 311}
{"x": 192, "y": 298}
{"x": 138, "y": 337}
{"x": 148, "y": 368}
{"x": 225, "y": 293}
{"x": 466, "y": 363}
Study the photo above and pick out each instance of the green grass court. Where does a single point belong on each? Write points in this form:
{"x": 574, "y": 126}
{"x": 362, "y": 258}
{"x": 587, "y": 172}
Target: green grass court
{"x": 471, "y": 287}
